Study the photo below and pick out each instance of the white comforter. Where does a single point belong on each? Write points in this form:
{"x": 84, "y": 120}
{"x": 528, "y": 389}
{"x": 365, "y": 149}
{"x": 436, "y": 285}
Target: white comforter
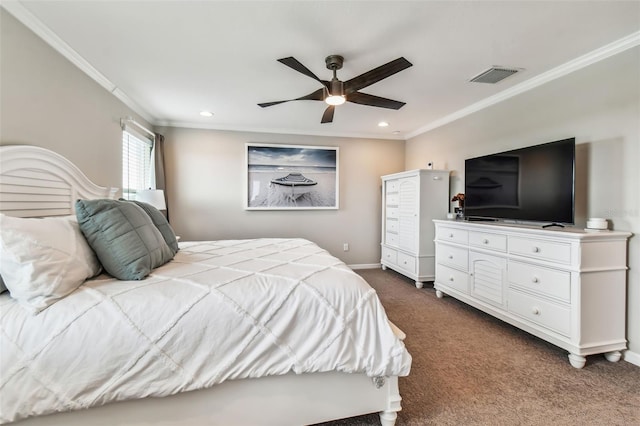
{"x": 220, "y": 310}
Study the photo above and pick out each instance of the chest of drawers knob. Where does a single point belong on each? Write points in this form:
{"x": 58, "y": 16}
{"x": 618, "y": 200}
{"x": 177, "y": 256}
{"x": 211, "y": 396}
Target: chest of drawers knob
{"x": 535, "y": 311}
{"x": 536, "y": 249}
{"x": 535, "y": 280}
{"x": 485, "y": 241}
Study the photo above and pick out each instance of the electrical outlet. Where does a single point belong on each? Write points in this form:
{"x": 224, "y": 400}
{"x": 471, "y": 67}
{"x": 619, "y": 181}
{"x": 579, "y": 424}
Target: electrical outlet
{"x": 345, "y": 247}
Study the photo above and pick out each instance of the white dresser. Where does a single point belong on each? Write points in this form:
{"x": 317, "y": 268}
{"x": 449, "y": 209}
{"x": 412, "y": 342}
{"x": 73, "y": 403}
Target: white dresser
{"x": 410, "y": 201}
{"x": 564, "y": 285}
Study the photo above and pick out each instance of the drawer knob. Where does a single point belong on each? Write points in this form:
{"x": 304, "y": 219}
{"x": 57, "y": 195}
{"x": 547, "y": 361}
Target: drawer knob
{"x": 535, "y": 311}
{"x": 536, "y": 249}
{"x": 450, "y": 235}
{"x": 450, "y": 256}
{"x": 451, "y": 279}
{"x": 535, "y": 280}
{"x": 485, "y": 241}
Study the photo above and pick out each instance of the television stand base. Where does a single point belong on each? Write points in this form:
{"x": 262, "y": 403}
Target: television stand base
{"x": 480, "y": 219}
{"x": 552, "y": 224}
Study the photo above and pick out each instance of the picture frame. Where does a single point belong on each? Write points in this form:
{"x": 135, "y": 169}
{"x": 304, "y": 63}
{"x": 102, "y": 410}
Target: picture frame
{"x": 291, "y": 177}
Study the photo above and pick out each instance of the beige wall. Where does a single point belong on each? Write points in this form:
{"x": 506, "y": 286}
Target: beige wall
{"x": 47, "y": 101}
{"x": 206, "y": 178}
{"x": 600, "y": 107}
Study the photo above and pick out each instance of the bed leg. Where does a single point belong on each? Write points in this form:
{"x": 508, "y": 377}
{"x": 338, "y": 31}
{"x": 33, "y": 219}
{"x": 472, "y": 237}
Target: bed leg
{"x": 388, "y": 418}
{"x": 390, "y": 414}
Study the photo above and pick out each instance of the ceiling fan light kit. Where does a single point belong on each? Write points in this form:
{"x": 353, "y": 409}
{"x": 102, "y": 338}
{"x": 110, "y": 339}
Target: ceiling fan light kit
{"x": 336, "y": 92}
{"x": 335, "y": 100}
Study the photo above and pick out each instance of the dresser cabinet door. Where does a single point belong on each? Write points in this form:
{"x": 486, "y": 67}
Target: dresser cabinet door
{"x": 488, "y": 275}
{"x": 408, "y": 214}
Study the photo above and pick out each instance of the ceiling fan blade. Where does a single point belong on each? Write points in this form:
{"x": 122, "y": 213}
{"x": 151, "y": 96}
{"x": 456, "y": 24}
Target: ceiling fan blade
{"x": 375, "y": 101}
{"x": 268, "y": 104}
{"x": 293, "y": 63}
{"x": 376, "y": 74}
{"x": 327, "y": 117}
{"x": 318, "y": 95}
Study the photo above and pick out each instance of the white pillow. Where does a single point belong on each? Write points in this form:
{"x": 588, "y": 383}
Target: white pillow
{"x": 43, "y": 260}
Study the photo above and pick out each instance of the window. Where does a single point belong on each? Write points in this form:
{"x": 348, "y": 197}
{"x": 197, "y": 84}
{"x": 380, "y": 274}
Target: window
{"x": 137, "y": 164}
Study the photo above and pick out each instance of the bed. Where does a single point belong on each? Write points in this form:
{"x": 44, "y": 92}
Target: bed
{"x": 307, "y": 340}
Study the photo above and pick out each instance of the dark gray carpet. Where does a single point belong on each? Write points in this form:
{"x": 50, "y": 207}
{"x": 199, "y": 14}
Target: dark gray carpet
{"x": 472, "y": 369}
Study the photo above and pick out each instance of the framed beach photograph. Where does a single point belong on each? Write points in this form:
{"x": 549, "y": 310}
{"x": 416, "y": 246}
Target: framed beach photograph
{"x": 291, "y": 177}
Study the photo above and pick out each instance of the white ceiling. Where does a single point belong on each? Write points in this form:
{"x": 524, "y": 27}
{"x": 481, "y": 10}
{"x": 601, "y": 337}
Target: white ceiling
{"x": 171, "y": 59}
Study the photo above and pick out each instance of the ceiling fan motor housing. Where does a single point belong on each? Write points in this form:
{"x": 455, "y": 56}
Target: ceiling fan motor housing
{"x": 336, "y": 87}
{"x": 334, "y": 63}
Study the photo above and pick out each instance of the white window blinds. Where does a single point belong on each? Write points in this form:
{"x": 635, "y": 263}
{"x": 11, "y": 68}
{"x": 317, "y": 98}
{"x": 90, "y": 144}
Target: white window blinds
{"x": 137, "y": 164}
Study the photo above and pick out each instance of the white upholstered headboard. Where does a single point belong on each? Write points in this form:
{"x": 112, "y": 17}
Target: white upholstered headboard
{"x": 36, "y": 182}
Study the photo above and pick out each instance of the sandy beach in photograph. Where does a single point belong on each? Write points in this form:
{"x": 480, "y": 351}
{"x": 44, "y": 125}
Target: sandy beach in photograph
{"x": 264, "y": 194}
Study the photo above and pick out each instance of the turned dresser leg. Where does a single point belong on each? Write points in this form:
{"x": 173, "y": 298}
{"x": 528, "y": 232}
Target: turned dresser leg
{"x": 419, "y": 284}
{"x": 439, "y": 294}
{"x": 613, "y": 356}
{"x": 388, "y": 418}
{"x": 577, "y": 361}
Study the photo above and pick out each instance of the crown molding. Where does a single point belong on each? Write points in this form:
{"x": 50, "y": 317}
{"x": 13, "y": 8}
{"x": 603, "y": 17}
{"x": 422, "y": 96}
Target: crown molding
{"x": 618, "y": 46}
{"x": 22, "y": 14}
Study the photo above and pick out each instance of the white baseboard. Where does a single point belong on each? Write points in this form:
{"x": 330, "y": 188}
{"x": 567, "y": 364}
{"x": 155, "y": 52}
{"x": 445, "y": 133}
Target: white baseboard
{"x": 632, "y": 357}
{"x": 365, "y": 266}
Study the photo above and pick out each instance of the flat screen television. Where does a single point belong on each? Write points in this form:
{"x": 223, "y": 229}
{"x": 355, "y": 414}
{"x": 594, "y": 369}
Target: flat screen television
{"x": 532, "y": 184}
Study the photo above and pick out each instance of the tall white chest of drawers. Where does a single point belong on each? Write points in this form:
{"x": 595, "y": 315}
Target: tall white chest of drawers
{"x": 564, "y": 285}
{"x": 410, "y": 201}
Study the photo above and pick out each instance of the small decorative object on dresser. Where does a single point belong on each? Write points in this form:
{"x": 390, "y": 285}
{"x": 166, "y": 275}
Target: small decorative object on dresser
{"x": 566, "y": 286}
{"x": 459, "y": 197}
{"x": 410, "y": 201}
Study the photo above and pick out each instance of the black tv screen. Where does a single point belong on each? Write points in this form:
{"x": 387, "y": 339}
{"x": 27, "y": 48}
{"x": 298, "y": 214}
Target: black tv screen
{"x": 535, "y": 183}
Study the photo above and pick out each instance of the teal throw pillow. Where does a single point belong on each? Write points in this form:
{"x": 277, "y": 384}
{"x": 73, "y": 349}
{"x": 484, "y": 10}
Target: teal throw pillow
{"x": 126, "y": 241}
{"x": 161, "y": 223}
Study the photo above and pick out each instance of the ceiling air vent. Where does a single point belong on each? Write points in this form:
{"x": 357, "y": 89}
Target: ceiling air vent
{"x": 494, "y": 75}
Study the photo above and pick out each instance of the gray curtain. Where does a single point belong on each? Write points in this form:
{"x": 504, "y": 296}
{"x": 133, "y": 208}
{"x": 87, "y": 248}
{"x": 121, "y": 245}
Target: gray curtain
{"x": 161, "y": 182}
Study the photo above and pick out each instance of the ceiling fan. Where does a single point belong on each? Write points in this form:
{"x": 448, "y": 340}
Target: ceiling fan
{"x": 336, "y": 92}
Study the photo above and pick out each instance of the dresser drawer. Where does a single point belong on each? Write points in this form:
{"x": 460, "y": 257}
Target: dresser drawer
{"x": 392, "y": 225}
{"x": 392, "y": 212}
{"x": 392, "y": 199}
{"x": 547, "y": 314}
{"x": 545, "y": 281}
{"x": 453, "y": 235}
{"x": 406, "y": 262}
{"x": 391, "y": 239}
{"x": 453, "y": 278}
{"x": 540, "y": 249}
{"x": 488, "y": 240}
{"x": 453, "y": 256}
{"x": 392, "y": 186}
{"x": 389, "y": 255}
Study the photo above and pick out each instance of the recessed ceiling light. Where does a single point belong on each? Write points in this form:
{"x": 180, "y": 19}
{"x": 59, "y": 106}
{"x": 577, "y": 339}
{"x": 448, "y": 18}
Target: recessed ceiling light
{"x": 383, "y": 124}
{"x": 206, "y": 114}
